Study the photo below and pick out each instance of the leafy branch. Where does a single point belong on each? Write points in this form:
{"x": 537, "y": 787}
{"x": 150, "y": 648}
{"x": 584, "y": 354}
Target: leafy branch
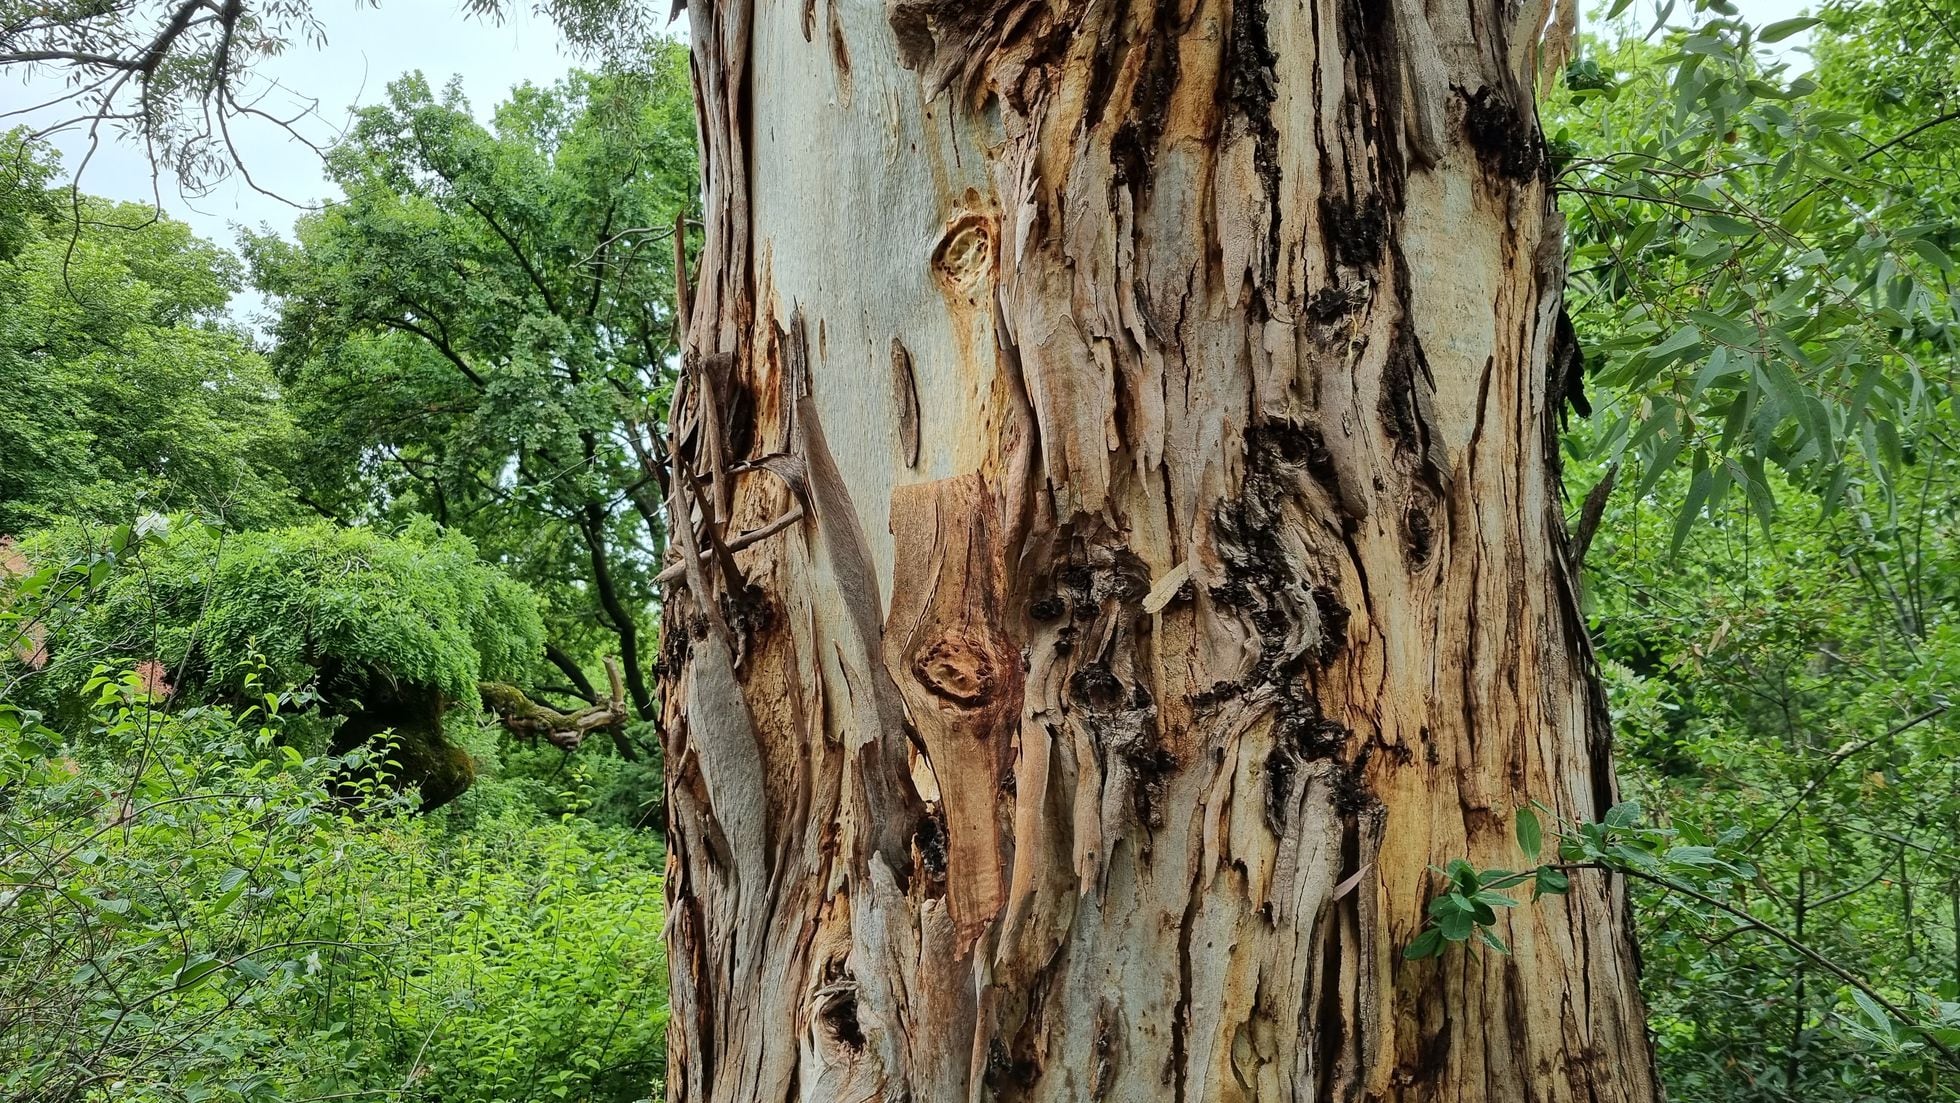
{"x": 1623, "y": 843}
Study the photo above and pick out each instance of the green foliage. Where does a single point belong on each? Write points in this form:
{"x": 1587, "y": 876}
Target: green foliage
{"x": 351, "y": 607}
{"x": 180, "y": 77}
{"x": 1792, "y": 693}
{"x": 499, "y": 299}
{"x": 480, "y": 332}
{"x": 535, "y": 956}
{"x": 137, "y": 894}
{"x": 120, "y": 386}
{"x": 1918, "y": 1036}
{"x": 1761, "y": 278}
{"x": 1893, "y": 61}
{"x": 389, "y": 633}
{"x": 1760, "y": 271}
{"x": 185, "y": 914}
{"x": 26, "y": 167}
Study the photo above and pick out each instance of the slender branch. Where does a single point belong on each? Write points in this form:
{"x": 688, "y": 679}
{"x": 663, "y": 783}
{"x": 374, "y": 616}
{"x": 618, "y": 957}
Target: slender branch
{"x": 1590, "y": 514}
{"x": 1751, "y": 922}
{"x": 438, "y": 344}
{"x": 556, "y": 655}
{"x": 794, "y": 514}
{"x": 1830, "y": 767}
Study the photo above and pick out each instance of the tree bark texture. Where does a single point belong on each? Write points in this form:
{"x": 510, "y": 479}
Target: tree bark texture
{"x": 1123, "y": 551}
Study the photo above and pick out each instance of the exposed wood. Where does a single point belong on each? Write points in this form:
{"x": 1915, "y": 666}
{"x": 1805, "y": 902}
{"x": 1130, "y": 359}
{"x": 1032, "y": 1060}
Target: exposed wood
{"x": 1090, "y": 730}
{"x": 905, "y": 396}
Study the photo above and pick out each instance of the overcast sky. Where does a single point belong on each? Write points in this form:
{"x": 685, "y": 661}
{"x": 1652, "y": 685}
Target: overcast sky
{"x": 366, "y": 48}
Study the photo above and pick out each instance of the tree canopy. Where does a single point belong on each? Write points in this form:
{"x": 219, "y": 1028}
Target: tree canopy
{"x": 123, "y": 385}
{"x": 482, "y": 332}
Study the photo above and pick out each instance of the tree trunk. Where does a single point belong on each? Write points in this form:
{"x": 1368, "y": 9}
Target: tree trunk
{"x": 1124, "y": 551}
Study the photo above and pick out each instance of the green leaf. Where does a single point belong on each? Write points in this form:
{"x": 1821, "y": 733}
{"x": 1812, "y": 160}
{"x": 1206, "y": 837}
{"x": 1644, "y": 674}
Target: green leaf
{"x": 197, "y": 972}
{"x": 230, "y": 887}
{"x": 1489, "y": 938}
{"x": 1531, "y": 834}
{"x": 1550, "y": 882}
{"x": 1732, "y": 227}
{"x": 1933, "y": 254}
{"x": 1455, "y": 926}
{"x": 1784, "y": 28}
{"x": 1698, "y": 492}
{"x": 1879, "y": 1018}
{"x": 1678, "y": 343}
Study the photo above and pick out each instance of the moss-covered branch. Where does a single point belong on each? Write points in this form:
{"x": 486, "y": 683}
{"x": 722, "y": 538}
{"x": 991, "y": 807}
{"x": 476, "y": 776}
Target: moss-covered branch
{"x": 528, "y": 720}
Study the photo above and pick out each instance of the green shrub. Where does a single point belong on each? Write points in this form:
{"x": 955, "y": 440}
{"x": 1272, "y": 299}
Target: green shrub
{"x": 392, "y": 631}
{"x": 186, "y": 916}
{"x": 351, "y": 606}
{"x": 524, "y": 960}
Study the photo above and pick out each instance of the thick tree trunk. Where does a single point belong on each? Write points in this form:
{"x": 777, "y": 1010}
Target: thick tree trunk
{"x": 1125, "y": 552}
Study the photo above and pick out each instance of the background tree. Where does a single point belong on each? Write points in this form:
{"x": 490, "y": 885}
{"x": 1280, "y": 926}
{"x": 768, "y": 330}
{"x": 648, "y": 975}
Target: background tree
{"x": 392, "y": 635}
{"x": 122, "y": 385}
{"x": 481, "y": 331}
{"x": 185, "y": 914}
{"x": 181, "y": 77}
{"x": 1764, "y": 289}
{"x": 185, "y": 917}
{"x": 1760, "y": 269}
{"x": 1776, "y": 702}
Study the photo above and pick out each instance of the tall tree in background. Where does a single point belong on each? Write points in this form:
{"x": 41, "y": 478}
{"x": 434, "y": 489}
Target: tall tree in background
{"x": 123, "y": 387}
{"x": 1118, "y": 500}
{"x": 481, "y": 331}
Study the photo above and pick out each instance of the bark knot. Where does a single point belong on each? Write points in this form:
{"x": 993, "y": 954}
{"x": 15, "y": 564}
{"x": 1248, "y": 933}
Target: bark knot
{"x": 965, "y": 255}
{"x": 1507, "y": 142}
{"x": 958, "y": 669}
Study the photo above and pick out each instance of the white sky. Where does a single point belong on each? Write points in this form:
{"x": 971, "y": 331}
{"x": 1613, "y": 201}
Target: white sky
{"x": 366, "y": 48}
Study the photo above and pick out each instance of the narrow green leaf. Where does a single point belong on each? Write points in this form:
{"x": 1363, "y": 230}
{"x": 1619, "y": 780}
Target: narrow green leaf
{"x": 1679, "y": 342}
{"x": 190, "y": 976}
{"x": 1691, "y": 507}
{"x": 1784, "y": 28}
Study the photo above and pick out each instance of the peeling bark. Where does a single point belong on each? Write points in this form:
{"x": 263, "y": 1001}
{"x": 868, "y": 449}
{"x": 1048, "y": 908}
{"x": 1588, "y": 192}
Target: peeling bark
{"x": 1120, "y": 548}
